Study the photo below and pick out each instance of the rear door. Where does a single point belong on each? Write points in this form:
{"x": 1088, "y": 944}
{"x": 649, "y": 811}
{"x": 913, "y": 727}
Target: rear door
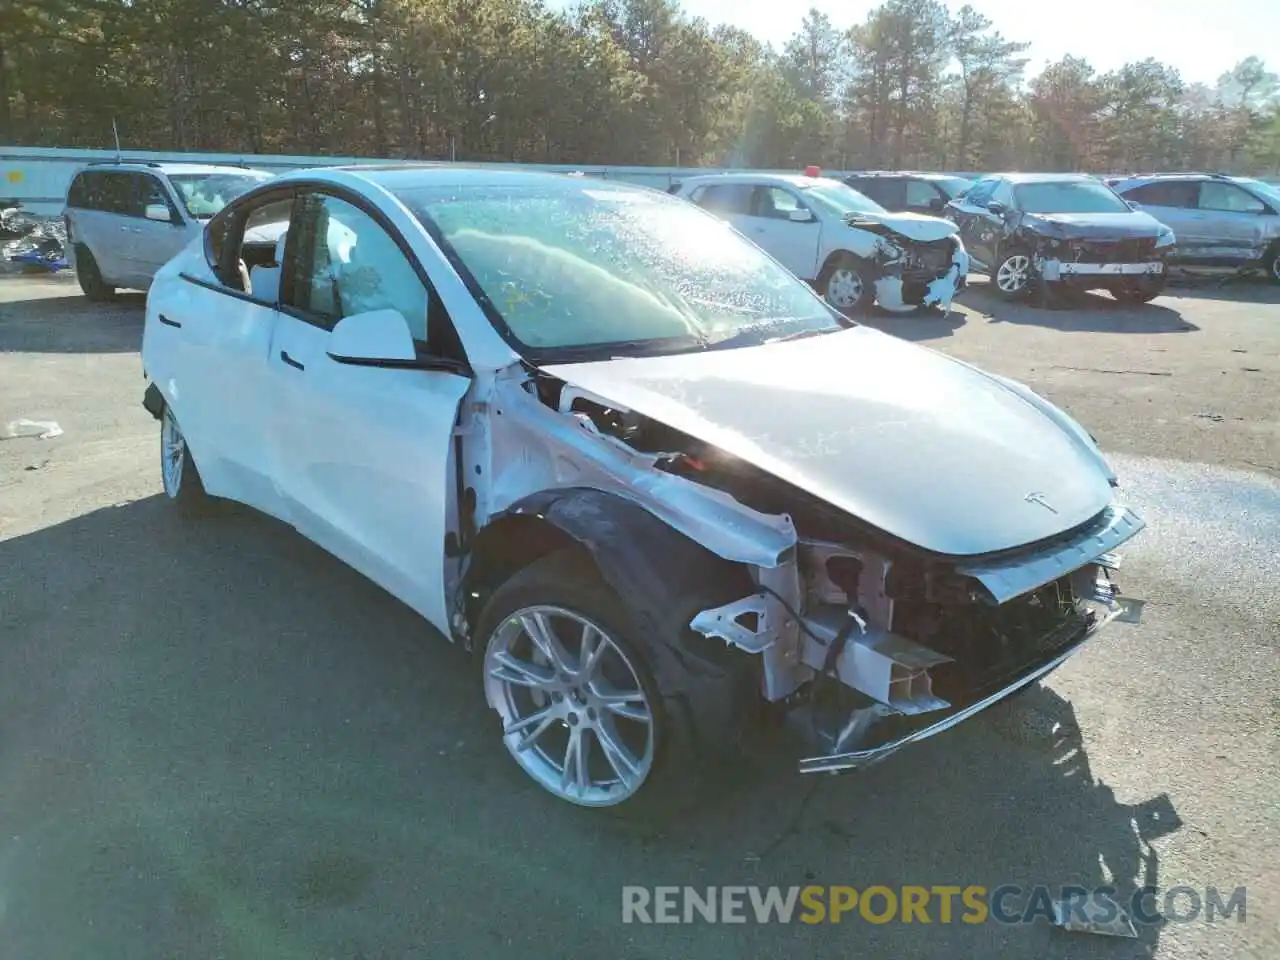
{"x": 922, "y": 196}
{"x": 365, "y": 450}
{"x": 977, "y": 223}
{"x": 207, "y": 353}
{"x": 1175, "y": 203}
{"x": 100, "y": 225}
{"x": 889, "y": 192}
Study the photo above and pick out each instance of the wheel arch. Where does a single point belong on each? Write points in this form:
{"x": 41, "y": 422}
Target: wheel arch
{"x": 661, "y": 577}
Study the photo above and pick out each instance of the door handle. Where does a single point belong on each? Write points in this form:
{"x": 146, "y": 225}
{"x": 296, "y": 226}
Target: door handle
{"x": 284, "y": 355}
{"x": 167, "y": 322}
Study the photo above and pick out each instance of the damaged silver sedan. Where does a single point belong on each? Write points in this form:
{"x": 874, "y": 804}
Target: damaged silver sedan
{"x": 649, "y": 477}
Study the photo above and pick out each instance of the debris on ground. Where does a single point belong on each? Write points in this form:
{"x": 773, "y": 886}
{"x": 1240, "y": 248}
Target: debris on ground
{"x": 34, "y": 242}
{"x": 1094, "y": 913}
{"x": 44, "y": 429}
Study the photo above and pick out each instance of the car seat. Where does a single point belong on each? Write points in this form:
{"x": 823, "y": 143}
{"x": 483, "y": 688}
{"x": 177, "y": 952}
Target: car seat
{"x": 264, "y": 281}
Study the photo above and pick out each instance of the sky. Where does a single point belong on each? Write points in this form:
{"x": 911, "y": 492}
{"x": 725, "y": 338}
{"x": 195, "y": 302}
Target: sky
{"x": 1201, "y": 38}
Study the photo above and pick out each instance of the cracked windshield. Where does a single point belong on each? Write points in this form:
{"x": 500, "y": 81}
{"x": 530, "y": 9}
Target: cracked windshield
{"x": 639, "y": 480}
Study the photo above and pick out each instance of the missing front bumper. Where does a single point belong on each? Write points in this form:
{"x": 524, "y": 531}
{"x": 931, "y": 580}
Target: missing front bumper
{"x": 1119, "y": 608}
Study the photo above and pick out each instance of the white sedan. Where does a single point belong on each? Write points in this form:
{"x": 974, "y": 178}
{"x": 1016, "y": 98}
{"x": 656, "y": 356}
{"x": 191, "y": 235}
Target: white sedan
{"x": 852, "y": 250}
{"x": 591, "y": 433}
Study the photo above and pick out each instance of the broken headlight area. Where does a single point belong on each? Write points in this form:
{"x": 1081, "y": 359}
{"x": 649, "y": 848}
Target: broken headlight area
{"x": 886, "y": 652}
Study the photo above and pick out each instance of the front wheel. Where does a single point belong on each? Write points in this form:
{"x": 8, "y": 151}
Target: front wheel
{"x": 848, "y": 285}
{"x": 1012, "y": 277}
{"x": 1273, "y": 264}
{"x": 574, "y": 686}
{"x": 178, "y": 472}
{"x": 1140, "y": 290}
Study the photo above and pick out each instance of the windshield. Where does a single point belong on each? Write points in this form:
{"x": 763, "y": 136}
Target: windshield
{"x": 1267, "y": 191}
{"x": 204, "y": 194}
{"x": 1068, "y": 196}
{"x": 572, "y": 269}
{"x": 841, "y": 199}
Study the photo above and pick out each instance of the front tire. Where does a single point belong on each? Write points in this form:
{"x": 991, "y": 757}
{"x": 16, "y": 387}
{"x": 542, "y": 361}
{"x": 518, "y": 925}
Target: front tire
{"x": 848, "y": 284}
{"x": 1273, "y": 263}
{"x": 1012, "y": 276}
{"x": 1142, "y": 290}
{"x": 178, "y": 473}
{"x": 574, "y": 685}
{"x": 89, "y": 276}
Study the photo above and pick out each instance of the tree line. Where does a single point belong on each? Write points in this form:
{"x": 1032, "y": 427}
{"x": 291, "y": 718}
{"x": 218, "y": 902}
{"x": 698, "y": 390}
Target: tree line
{"x": 917, "y": 84}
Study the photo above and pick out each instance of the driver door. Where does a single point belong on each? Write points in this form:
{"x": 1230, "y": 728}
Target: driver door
{"x": 793, "y": 244}
{"x": 365, "y": 450}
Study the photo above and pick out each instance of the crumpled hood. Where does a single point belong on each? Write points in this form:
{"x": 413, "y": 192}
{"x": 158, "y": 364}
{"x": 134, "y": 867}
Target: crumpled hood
{"x": 916, "y": 226}
{"x": 1134, "y": 225}
{"x": 927, "y": 449}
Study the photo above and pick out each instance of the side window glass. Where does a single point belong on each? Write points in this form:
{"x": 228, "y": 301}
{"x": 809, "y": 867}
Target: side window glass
{"x": 727, "y": 200}
{"x": 1227, "y": 198}
{"x": 152, "y": 191}
{"x": 345, "y": 263}
{"x": 1003, "y": 193}
{"x": 78, "y": 195}
{"x": 775, "y": 203}
{"x": 116, "y": 193}
{"x": 921, "y": 193}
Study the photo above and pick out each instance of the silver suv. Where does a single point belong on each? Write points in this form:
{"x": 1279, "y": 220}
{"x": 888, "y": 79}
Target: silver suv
{"x": 1220, "y": 221}
{"x": 126, "y": 219}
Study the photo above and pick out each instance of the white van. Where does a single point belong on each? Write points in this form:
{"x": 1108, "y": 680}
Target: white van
{"x": 126, "y": 219}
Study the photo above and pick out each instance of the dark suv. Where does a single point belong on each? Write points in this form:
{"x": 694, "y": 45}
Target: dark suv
{"x": 907, "y": 192}
{"x": 1042, "y": 231}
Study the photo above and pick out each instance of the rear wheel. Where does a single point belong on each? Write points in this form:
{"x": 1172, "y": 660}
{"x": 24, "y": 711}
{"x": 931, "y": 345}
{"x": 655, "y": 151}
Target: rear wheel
{"x": 1139, "y": 290}
{"x": 178, "y": 471}
{"x": 90, "y": 277}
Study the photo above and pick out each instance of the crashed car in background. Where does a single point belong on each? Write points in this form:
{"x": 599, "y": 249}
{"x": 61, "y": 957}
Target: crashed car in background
{"x": 849, "y": 247}
{"x": 1042, "y": 232}
{"x": 655, "y": 482}
{"x": 1221, "y": 221}
{"x": 34, "y": 243}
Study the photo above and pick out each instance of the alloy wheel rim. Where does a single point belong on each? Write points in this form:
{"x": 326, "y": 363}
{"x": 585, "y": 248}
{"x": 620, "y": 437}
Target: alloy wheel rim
{"x": 1012, "y": 275}
{"x": 172, "y": 451}
{"x": 844, "y": 288}
{"x": 575, "y": 715}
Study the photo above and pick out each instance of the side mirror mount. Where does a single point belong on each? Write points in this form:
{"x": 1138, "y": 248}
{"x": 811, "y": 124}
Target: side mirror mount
{"x": 1134, "y": 204}
{"x": 800, "y": 216}
{"x": 996, "y": 207}
{"x": 158, "y": 212}
{"x": 374, "y": 338}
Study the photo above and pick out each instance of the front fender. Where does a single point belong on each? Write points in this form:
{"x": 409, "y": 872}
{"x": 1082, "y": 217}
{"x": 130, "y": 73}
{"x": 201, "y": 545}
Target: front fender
{"x": 663, "y": 578}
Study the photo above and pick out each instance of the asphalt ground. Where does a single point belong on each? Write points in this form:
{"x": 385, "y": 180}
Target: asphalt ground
{"x": 217, "y": 741}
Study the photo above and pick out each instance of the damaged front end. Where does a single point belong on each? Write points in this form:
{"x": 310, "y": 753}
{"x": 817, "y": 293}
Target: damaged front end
{"x": 881, "y": 652}
{"x": 865, "y": 643}
{"x": 915, "y": 273}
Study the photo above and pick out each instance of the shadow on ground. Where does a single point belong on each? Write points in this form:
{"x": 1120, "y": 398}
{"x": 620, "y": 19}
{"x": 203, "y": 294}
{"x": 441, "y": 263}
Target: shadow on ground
{"x": 219, "y": 741}
{"x": 1088, "y": 311}
{"x": 72, "y": 324}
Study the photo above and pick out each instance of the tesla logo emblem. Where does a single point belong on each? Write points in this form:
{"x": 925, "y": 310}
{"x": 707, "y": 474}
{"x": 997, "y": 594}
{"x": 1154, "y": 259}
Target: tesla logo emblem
{"x": 1041, "y": 499}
